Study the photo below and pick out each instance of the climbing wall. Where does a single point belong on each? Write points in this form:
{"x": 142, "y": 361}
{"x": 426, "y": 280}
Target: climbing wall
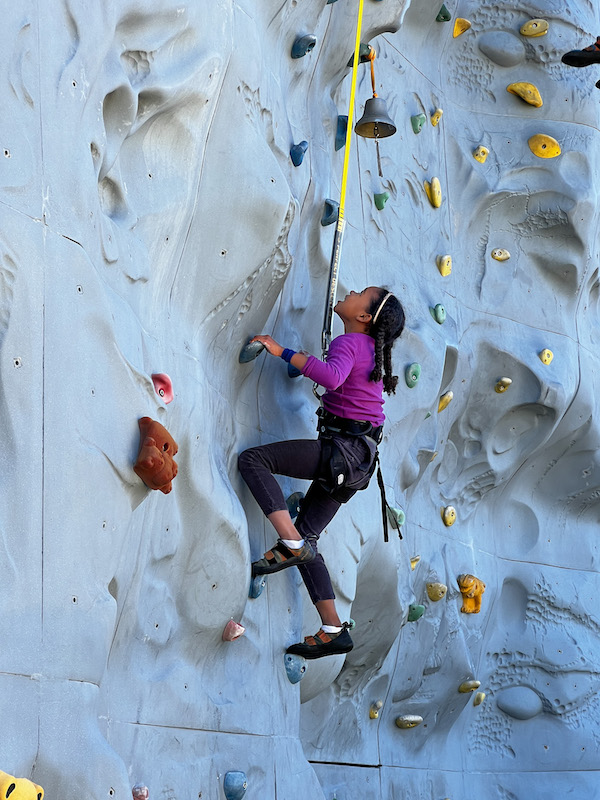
{"x": 169, "y": 174}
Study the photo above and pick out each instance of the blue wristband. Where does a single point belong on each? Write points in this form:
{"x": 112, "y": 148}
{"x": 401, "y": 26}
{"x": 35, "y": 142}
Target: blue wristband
{"x": 287, "y": 354}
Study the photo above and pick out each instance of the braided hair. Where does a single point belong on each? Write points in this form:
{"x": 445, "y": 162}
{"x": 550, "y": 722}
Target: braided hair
{"x": 386, "y": 327}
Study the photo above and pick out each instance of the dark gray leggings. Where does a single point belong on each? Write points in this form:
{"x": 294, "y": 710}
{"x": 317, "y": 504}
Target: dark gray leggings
{"x": 296, "y": 458}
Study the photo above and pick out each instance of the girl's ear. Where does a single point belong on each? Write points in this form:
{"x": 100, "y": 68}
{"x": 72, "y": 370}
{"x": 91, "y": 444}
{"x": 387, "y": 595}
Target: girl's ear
{"x": 365, "y": 317}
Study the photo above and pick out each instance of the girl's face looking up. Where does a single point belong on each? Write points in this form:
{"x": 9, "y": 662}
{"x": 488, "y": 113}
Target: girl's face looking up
{"x": 355, "y": 307}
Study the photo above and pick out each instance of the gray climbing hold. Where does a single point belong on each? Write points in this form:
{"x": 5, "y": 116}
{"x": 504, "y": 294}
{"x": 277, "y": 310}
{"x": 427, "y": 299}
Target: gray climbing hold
{"x": 330, "y": 213}
{"x": 235, "y": 785}
{"x": 502, "y": 47}
{"x": 249, "y": 352}
{"x": 340, "y": 134}
{"x": 381, "y": 199}
{"x": 295, "y": 667}
{"x": 303, "y": 45}
{"x": 519, "y": 702}
{"x": 297, "y": 153}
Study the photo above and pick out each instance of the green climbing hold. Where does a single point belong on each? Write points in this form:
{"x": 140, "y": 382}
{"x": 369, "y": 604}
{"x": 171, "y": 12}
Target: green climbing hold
{"x": 444, "y": 15}
{"x": 438, "y": 312}
{"x": 412, "y": 375}
{"x": 364, "y": 55}
{"x": 381, "y": 199}
{"x": 340, "y": 134}
{"x": 417, "y": 121}
{"x": 330, "y": 213}
{"x": 415, "y": 612}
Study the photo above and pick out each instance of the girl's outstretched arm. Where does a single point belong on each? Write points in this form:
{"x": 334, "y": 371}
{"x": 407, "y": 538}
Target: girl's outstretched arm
{"x": 298, "y": 360}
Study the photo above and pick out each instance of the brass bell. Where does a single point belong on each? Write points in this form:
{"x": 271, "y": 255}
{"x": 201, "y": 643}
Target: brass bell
{"x": 375, "y": 122}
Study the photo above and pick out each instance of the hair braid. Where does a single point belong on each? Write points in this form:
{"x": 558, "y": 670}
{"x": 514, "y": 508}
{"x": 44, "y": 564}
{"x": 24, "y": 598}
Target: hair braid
{"x": 387, "y": 328}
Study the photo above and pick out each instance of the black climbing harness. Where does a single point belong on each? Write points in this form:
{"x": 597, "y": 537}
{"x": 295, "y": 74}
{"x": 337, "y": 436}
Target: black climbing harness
{"x": 341, "y": 475}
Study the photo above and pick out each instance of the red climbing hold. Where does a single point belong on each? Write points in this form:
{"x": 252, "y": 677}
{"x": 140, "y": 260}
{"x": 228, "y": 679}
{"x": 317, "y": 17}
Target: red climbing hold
{"x": 163, "y": 386}
{"x": 155, "y": 463}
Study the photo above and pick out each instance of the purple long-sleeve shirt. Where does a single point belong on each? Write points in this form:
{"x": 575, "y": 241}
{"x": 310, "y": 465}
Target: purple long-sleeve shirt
{"x": 345, "y": 377}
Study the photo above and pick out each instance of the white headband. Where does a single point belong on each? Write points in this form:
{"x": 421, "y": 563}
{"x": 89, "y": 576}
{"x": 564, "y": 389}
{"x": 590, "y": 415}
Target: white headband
{"x": 381, "y": 305}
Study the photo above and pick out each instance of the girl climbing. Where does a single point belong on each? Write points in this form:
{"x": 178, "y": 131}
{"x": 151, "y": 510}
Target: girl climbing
{"x": 340, "y": 462}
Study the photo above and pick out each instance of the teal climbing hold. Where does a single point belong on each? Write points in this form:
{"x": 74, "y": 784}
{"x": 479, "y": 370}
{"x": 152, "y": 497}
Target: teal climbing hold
{"x": 417, "y": 121}
{"x": 331, "y": 1}
{"x": 249, "y": 352}
{"x": 444, "y": 15}
{"x": 257, "y": 584}
{"x": 415, "y": 612}
{"x": 330, "y": 213}
{"x": 396, "y": 516}
{"x": 235, "y": 785}
{"x": 381, "y": 199}
{"x": 297, "y": 153}
{"x": 340, "y": 134}
{"x": 438, "y": 312}
{"x": 293, "y": 503}
{"x": 295, "y": 667}
{"x": 303, "y": 45}
{"x": 412, "y": 375}
{"x": 364, "y": 55}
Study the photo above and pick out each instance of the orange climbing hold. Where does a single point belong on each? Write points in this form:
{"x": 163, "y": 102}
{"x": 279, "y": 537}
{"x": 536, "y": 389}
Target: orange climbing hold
{"x": 155, "y": 463}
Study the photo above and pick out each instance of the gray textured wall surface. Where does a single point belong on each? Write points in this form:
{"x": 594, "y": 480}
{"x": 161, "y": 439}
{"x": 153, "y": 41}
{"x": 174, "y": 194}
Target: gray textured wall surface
{"x": 151, "y": 221}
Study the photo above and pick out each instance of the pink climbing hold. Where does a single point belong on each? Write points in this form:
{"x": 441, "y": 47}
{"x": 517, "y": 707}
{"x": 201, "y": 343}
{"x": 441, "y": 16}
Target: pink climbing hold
{"x": 163, "y": 386}
{"x": 233, "y": 630}
{"x": 140, "y": 792}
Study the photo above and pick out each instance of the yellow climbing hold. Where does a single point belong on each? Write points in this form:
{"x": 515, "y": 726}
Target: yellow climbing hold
{"x": 433, "y": 191}
{"x": 445, "y": 401}
{"x": 469, "y": 686}
{"x": 500, "y": 255}
{"x": 503, "y": 385}
{"x": 375, "y": 709}
{"x": 535, "y": 27}
{"x": 481, "y": 153}
{"x": 436, "y": 117}
{"x": 546, "y": 356}
{"x": 544, "y": 146}
{"x": 409, "y": 721}
{"x": 444, "y": 264}
{"x": 460, "y": 26}
{"x": 435, "y": 591}
{"x": 449, "y": 516}
{"x": 527, "y": 92}
{"x": 414, "y": 561}
{"x": 479, "y": 698}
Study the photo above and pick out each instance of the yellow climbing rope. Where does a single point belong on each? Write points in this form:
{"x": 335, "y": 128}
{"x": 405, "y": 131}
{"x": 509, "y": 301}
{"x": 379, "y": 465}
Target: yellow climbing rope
{"x": 339, "y": 230}
{"x": 355, "y": 63}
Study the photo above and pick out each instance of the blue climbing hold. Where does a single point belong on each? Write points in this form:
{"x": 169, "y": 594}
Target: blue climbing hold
{"x": 330, "y": 213}
{"x": 303, "y": 45}
{"x": 295, "y": 667}
{"x": 297, "y": 153}
{"x": 249, "y": 352}
{"x": 293, "y": 372}
{"x": 235, "y": 785}
{"x": 257, "y": 584}
{"x": 293, "y": 503}
{"x": 340, "y": 134}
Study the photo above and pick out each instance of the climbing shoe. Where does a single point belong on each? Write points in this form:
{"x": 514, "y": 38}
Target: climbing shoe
{"x": 583, "y": 58}
{"x": 323, "y": 644}
{"x": 280, "y": 557}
